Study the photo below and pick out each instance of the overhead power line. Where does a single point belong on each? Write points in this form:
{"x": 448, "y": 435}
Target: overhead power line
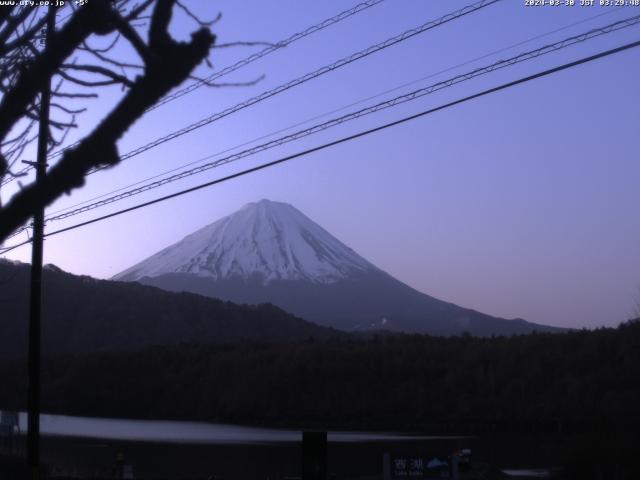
{"x": 324, "y": 146}
{"x": 266, "y": 51}
{"x": 398, "y": 100}
{"x": 236, "y": 66}
{"x": 325, "y": 114}
{"x": 593, "y": 33}
{"x": 309, "y": 76}
{"x": 4, "y": 250}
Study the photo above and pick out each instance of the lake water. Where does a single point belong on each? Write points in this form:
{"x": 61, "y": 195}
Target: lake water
{"x": 191, "y": 432}
{"x": 177, "y": 450}
{"x": 173, "y": 449}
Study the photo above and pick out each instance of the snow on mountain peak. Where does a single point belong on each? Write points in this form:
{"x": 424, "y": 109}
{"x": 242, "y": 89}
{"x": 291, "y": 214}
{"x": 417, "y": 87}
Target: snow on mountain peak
{"x": 269, "y": 239}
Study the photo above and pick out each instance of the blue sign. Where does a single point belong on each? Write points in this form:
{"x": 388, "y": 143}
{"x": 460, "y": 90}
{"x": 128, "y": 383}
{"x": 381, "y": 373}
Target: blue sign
{"x": 411, "y": 467}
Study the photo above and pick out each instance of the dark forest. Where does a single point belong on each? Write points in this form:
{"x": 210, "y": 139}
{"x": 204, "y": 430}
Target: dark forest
{"x": 577, "y": 381}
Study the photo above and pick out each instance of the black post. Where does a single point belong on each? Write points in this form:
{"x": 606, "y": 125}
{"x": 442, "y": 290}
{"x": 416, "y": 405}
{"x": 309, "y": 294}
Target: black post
{"x": 33, "y": 423}
{"x": 314, "y": 455}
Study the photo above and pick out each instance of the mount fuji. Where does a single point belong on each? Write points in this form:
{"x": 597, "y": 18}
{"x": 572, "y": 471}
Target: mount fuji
{"x": 270, "y": 252}
{"x": 269, "y": 241}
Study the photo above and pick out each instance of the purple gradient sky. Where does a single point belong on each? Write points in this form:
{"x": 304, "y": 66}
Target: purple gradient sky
{"x": 521, "y": 204}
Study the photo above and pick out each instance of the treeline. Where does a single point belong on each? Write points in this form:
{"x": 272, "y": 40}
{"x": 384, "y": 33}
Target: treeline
{"x": 582, "y": 380}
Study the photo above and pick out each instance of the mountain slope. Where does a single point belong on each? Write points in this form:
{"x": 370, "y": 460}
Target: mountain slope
{"x": 270, "y": 252}
{"x": 265, "y": 240}
{"x": 83, "y": 314}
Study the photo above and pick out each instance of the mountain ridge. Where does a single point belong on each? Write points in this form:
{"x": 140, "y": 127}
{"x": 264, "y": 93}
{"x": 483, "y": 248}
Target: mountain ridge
{"x": 82, "y": 314}
{"x": 271, "y": 252}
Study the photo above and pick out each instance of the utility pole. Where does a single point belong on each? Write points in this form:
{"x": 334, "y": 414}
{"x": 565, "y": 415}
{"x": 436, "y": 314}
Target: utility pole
{"x": 33, "y": 423}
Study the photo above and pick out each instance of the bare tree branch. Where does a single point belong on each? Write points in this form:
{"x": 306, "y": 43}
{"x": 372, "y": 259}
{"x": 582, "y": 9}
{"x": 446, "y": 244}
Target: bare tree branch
{"x": 167, "y": 64}
{"x": 68, "y": 110}
{"x": 74, "y": 95}
{"x": 87, "y": 20}
{"x": 134, "y": 14}
{"x": 85, "y": 46}
{"x": 115, "y": 77}
{"x": 132, "y": 36}
{"x": 198, "y": 20}
{"x": 12, "y": 23}
{"x": 112, "y": 61}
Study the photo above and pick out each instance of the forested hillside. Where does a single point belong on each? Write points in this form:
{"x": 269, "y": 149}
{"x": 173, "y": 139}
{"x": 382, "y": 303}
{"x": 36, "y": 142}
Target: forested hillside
{"x": 576, "y": 381}
{"x": 83, "y": 314}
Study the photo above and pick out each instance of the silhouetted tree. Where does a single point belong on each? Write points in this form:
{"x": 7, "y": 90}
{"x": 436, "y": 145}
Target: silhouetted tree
{"x": 70, "y": 60}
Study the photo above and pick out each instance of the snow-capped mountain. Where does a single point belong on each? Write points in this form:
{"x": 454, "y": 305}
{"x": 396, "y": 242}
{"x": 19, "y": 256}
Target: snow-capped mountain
{"x": 266, "y": 239}
{"x": 269, "y": 252}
